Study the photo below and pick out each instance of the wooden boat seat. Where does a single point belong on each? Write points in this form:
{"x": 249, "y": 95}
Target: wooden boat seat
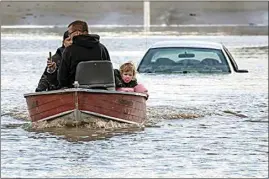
{"x": 95, "y": 75}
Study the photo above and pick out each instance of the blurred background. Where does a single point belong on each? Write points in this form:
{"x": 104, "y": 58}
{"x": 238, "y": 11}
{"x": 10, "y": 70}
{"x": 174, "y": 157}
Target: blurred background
{"x": 179, "y": 17}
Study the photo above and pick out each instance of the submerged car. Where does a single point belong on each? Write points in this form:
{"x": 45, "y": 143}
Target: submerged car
{"x": 188, "y": 57}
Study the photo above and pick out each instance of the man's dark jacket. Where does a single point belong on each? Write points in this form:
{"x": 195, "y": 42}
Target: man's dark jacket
{"x": 84, "y": 48}
{"x": 48, "y": 81}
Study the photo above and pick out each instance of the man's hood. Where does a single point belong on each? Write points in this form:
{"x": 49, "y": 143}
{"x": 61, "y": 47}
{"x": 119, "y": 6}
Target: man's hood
{"x": 87, "y": 41}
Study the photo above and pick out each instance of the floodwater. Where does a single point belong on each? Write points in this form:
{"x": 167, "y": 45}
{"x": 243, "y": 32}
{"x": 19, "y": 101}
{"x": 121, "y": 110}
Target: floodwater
{"x": 200, "y": 125}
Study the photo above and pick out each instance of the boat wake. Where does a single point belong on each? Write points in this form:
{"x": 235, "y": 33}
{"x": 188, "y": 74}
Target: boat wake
{"x": 94, "y": 128}
{"x": 155, "y": 114}
{"x": 88, "y": 123}
{"x": 16, "y": 113}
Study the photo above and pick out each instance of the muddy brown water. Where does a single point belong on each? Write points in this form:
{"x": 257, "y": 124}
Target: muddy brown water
{"x": 199, "y": 125}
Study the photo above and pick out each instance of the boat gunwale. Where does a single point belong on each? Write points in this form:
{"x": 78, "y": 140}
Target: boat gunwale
{"x": 70, "y": 90}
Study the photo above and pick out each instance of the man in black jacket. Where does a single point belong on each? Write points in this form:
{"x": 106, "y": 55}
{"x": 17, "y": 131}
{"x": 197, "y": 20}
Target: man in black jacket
{"x": 48, "y": 80}
{"x": 85, "y": 47}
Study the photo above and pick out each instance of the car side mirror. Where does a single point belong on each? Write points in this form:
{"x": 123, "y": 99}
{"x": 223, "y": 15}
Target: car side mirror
{"x": 242, "y": 71}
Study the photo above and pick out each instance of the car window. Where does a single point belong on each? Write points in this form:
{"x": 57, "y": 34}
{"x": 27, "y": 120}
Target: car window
{"x": 172, "y": 53}
{"x": 184, "y": 59}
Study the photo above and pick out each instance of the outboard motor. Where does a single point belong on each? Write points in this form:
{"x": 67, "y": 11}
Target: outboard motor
{"x": 95, "y": 75}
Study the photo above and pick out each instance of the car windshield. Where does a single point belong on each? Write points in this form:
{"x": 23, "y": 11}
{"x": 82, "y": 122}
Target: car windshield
{"x": 184, "y": 60}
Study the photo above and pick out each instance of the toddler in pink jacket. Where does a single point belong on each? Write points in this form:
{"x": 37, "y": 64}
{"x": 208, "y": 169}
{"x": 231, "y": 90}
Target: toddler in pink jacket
{"x": 125, "y": 79}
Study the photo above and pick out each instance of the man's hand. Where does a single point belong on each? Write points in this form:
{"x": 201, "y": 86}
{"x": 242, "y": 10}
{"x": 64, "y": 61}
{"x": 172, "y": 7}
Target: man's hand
{"x": 50, "y": 64}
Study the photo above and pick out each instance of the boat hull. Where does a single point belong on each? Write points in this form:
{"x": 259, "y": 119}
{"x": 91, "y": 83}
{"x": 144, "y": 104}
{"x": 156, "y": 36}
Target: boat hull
{"x": 118, "y": 106}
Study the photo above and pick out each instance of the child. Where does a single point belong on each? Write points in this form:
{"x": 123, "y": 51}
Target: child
{"x": 126, "y": 81}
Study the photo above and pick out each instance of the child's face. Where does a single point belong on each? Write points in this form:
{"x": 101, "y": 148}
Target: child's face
{"x": 127, "y": 76}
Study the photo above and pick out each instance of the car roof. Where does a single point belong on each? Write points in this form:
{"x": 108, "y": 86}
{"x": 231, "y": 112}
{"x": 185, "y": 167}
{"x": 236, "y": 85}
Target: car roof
{"x": 187, "y": 43}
